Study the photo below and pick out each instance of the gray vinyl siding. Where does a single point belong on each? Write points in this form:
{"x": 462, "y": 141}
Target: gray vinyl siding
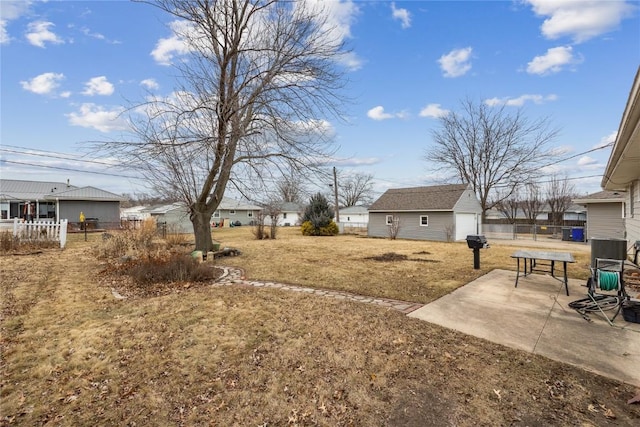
{"x": 410, "y": 227}
{"x": 468, "y": 203}
{"x": 632, "y": 222}
{"x": 238, "y": 215}
{"x": 108, "y": 213}
{"x": 604, "y": 221}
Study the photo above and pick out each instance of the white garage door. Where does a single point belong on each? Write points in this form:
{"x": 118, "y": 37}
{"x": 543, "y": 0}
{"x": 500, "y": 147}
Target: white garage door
{"x": 465, "y": 225}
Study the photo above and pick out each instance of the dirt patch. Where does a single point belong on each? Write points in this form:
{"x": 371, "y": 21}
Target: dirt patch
{"x": 394, "y": 257}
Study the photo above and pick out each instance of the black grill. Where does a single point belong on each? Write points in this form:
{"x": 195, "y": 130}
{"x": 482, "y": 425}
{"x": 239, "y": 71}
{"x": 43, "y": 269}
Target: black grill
{"x": 477, "y": 241}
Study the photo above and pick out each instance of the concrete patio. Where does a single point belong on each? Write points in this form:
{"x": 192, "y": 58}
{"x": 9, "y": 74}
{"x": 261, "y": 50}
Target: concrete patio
{"x": 535, "y": 317}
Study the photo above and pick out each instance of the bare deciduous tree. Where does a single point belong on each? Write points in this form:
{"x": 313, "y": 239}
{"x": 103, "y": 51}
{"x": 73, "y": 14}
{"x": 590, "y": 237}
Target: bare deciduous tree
{"x": 257, "y": 81}
{"x": 355, "y": 189}
{"x": 489, "y": 147}
{"x": 291, "y": 188}
{"x": 509, "y": 207}
{"x": 532, "y": 203}
{"x": 558, "y": 196}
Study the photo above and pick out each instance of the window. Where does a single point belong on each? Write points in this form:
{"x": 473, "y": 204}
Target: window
{"x": 216, "y": 214}
{"x": 232, "y": 212}
{"x": 389, "y": 219}
{"x": 250, "y": 214}
{"x": 424, "y": 220}
{"x": 284, "y": 215}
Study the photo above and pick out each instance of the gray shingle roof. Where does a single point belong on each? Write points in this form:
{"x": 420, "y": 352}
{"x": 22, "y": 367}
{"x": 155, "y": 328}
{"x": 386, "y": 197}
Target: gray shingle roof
{"x": 437, "y": 197}
{"x": 601, "y": 197}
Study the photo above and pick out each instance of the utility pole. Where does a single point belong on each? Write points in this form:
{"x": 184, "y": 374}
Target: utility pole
{"x": 335, "y": 192}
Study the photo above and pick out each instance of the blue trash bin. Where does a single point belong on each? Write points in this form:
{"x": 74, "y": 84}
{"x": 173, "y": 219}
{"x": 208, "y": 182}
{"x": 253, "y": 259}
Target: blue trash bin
{"x": 577, "y": 234}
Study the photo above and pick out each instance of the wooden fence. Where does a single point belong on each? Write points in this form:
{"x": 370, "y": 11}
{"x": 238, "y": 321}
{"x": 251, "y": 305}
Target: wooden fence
{"x": 41, "y": 230}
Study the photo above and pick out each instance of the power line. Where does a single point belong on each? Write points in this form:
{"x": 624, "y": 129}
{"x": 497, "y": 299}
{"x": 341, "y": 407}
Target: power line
{"x": 57, "y": 156}
{"x": 68, "y": 169}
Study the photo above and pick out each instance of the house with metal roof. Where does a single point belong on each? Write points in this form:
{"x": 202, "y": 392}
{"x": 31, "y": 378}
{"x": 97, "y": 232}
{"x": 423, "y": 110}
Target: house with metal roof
{"x": 45, "y": 200}
{"x": 440, "y": 213}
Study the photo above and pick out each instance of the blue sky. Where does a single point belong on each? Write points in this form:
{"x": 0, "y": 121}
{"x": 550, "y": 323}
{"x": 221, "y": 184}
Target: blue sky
{"x": 69, "y": 68}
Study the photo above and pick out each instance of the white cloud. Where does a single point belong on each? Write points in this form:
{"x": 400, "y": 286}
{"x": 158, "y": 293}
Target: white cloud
{"x": 94, "y": 116}
{"x": 521, "y": 100}
{"x": 150, "y": 84}
{"x": 38, "y": 34}
{"x": 553, "y": 61}
{"x": 378, "y": 113}
{"x": 9, "y": 11}
{"x": 586, "y": 161}
{"x": 336, "y": 18}
{"x": 356, "y": 161}
{"x": 44, "y": 84}
{"x": 98, "y": 86}
{"x": 607, "y": 140}
{"x": 167, "y": 48}
{"x": 4, "y": 35}
{"x": 580, "y": 19}
{"x": 560, "y": 151}
{"x": 456, "y": 63}
{"x": 401, "y": 14}
{"x": 434, "y": 111}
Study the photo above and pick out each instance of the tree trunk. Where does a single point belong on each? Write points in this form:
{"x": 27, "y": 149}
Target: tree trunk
{"x": 202, "y": 231}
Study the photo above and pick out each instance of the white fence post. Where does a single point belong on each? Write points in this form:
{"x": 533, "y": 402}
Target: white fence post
{"x": 63, "y": 232}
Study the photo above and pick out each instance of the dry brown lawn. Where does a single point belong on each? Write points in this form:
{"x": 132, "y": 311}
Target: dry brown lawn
{"x": 344, "y": 262}
{"x": 74, "y": 355}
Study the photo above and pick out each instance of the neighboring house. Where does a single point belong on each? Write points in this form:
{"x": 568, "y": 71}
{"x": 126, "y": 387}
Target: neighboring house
{"x": 230, "y": 212}
{"x": 291, "y": 215}
{"x": 355, "y": 215}
{"x": 623, "y": 169}
{"x": 42, "y": 200}
{"x": 605, "y": 214}
{"x": 174, "y": 216}
{"x": 234, "y": 212}
{"x": 442, "y": 213}
{"x": 134, "y": 213}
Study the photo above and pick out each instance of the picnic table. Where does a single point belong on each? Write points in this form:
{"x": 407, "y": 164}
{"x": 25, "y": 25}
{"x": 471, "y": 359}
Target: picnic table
{"x": 548, "y": 266}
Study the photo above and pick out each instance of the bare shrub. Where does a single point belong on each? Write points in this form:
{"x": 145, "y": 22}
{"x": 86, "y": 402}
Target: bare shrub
{"x": 7, "y": 241}
{"x": 174, "y": 268}
{"x": 258, "y": 226}
{"x": 143, "y": 237}
{"x": 118, "y": 245}
{"x": 394, "y": 227}
{"x": 174, "y": 238}
{"x": 10, "y": 243}
{"x": 448, "y": 231}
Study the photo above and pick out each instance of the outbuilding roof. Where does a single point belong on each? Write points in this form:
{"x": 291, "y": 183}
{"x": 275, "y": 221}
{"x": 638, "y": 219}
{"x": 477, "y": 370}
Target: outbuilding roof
{"x": 432, "y": 198}
{"x": 605, "y": 196}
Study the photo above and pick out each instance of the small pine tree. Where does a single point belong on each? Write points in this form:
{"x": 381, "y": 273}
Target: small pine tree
{"x": 318, "y": 216}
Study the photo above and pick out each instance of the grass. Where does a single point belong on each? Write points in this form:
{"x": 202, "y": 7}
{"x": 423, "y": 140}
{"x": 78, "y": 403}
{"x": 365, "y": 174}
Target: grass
{"x": 74, "y": 355}
{"x": 345, "y": 262}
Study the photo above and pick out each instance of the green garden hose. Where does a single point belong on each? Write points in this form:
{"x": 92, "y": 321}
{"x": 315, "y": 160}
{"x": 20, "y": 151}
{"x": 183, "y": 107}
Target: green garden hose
{"x": 608, "y": 280}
